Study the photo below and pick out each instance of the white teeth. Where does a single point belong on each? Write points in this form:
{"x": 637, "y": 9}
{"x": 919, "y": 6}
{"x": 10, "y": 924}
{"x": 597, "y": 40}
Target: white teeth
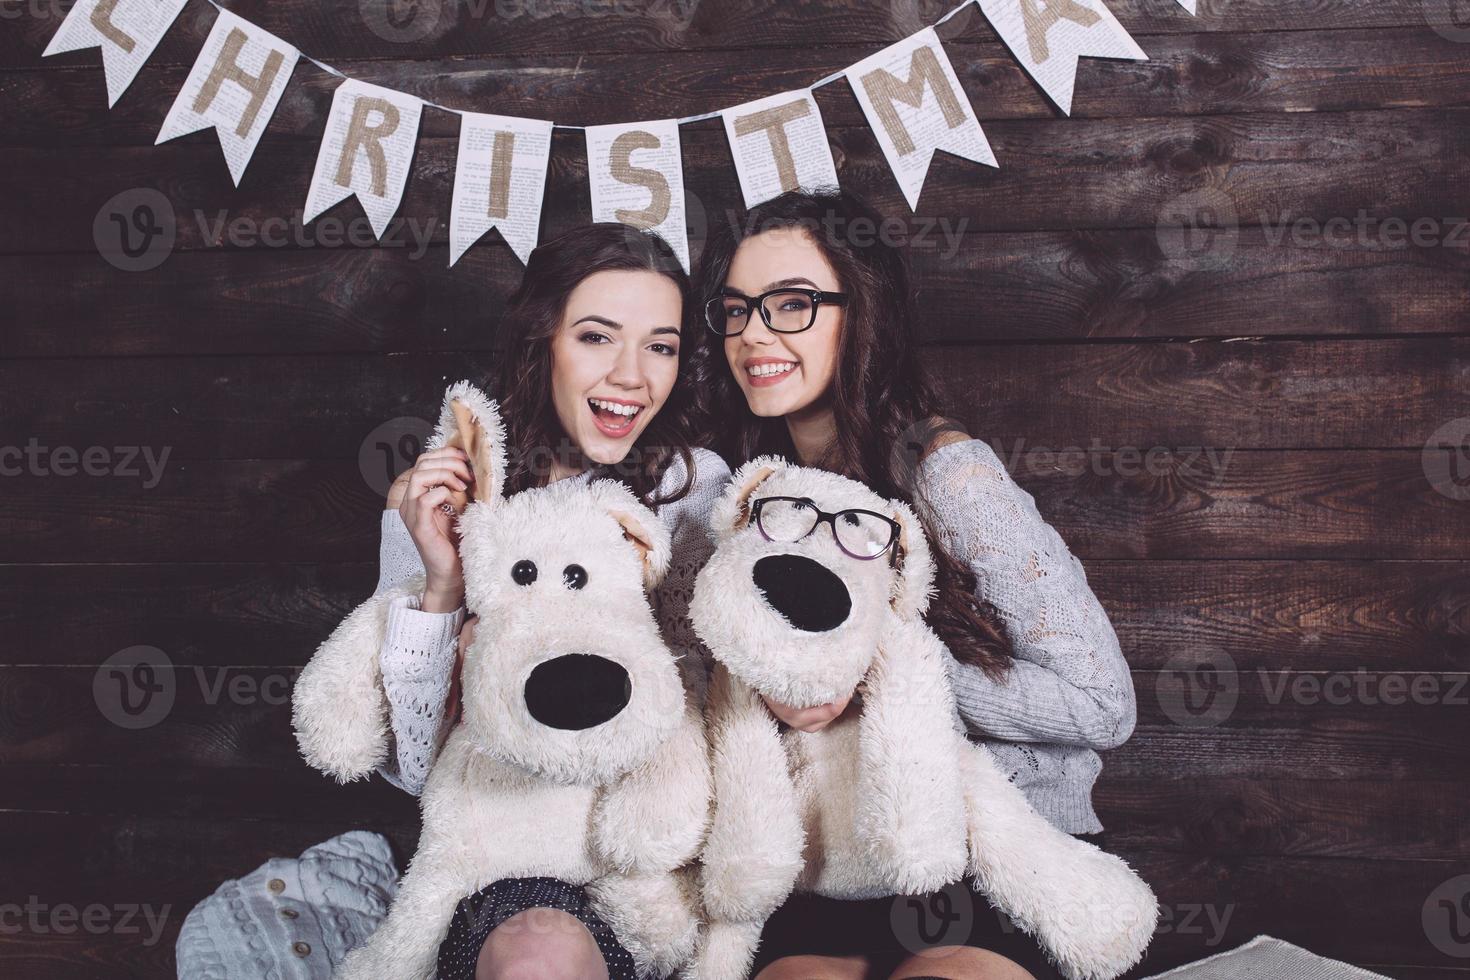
{"x": 766, "y": 370}
{"x": 614, "y": 407}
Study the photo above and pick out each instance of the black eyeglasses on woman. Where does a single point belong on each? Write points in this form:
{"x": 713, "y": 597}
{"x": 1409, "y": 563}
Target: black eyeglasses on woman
{"x": 786, "y": 310}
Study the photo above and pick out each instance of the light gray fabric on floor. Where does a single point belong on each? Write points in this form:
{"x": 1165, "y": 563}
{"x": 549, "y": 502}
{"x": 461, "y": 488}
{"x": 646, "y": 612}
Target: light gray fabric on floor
{"x": 1267, "y": 958}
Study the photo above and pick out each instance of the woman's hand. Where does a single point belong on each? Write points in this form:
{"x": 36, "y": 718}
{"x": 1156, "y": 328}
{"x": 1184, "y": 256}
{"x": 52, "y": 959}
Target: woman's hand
{"x": 433, "y": 483}
{"x": 808, "y": 719}
{"x": 455, "y": 708}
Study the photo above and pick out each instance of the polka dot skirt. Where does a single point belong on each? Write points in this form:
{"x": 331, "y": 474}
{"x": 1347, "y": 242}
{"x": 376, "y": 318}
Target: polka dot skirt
{"x": 479, "y": 914}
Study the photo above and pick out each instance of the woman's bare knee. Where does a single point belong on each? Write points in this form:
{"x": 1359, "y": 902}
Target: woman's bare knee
{"x": 816, "y": 968}
{"x": 960, "y": 963}
{"x": 540, "y": 944}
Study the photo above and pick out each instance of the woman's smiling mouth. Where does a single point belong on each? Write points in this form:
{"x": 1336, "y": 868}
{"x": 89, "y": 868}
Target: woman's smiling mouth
{"x": 614, "y": 418}
{"x": 768, "y": 371}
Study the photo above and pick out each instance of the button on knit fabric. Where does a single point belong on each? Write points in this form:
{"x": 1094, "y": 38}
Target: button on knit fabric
{"x": 291, "y": 918}
{"x": 478, "y": 915}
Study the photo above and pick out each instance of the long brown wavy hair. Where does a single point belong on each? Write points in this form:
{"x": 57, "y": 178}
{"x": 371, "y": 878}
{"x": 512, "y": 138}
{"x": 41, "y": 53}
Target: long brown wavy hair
{"x": 886, "y": 406}
{"x": 521, "y": 379}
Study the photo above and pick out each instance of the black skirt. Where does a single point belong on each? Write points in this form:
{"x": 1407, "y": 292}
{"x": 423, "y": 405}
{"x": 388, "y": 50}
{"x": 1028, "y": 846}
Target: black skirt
{"x": 892, "y": 929}
{"x": 479, "y": 914}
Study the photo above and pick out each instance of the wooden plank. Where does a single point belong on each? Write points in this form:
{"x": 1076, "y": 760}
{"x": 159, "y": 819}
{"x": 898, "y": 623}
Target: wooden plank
{"x": 976, "y": 287}
{"x": 1351, "y": 819}
{"x": 1198, "y": 815}
{"x": 1298, "y": 615}
{"x": 1058, "y": 174}
{"x": 1303, "y": 615}
{"x": 1272, "y": 725}
{"x": 339, "y": 29}
{"x": 207, "y": 794}
{"x": 207, "y": 614}
{"x": 1208, "y": 73}
{"x": 239, "y": 511}
{"x": 1022, "y": 398}
{"x": 1277, "y": 728}
{"x": 1363, "y": 505}
{"x": 1335, "y": 505}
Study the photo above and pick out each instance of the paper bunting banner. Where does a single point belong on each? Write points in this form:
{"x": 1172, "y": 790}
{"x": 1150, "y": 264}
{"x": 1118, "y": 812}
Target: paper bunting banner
{"x": 499, "y": 179}
{"x": 1048, "y": 36}
{"x": 366, "y": 151}
{"x": 909, "y": 92}
{"x": 127, "y": 31}
{"x": 637, "y": 177}
{"x": 779, "y": 144}
{"x": 914, "y": 102}
{"x": 234, "y": 86}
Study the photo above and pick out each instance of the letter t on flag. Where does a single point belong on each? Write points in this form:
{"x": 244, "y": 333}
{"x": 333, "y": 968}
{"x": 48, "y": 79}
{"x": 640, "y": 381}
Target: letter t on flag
{"x": 366, "y": 150}
{"x": 914, "y": 102}
{"x": 779, "y": 145}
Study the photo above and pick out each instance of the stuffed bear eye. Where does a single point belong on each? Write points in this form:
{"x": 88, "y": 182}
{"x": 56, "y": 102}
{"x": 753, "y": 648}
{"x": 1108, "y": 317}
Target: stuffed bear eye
{"x": 523, "y": 572}
{"x": 575, "y": 576}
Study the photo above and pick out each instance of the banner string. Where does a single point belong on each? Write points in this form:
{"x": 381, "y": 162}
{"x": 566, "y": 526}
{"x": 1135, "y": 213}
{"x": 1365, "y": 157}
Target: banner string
{"x": 827, "y": 80}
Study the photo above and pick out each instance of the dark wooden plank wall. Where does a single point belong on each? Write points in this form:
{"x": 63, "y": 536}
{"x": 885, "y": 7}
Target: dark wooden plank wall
{"x": 1297, "y": 529}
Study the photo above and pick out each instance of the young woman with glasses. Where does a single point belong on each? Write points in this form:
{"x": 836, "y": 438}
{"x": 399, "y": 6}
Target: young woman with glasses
{"x": 810, "y": 354}
{"x": 594, "y": 381}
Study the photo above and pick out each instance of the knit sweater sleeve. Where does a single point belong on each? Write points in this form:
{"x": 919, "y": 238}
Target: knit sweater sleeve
{"x": 417, "y": 662}
{"x": 1069, "y": 682}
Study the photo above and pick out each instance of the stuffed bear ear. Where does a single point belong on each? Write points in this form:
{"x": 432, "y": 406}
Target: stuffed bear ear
{"x": 642, "y": 528}
{"x": 732, "y": 511}
{"x": 470, "y": 421}
{"x": 913, "y": 582}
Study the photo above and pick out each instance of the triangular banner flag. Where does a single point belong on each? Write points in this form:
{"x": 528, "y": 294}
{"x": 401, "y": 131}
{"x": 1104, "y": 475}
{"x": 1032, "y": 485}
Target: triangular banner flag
{"x": 1048, "y": 36}
{"x": 234, "y": 86}
{"x": 914, "y": 102}
{"x": 779, "y": 144}
{"x": 637, "y": 177}
{"x": 366, "y": 150}
{"x": 499, "y": 179}
{"x": 1189, "y": 5}
{"x": 127, "y": 31}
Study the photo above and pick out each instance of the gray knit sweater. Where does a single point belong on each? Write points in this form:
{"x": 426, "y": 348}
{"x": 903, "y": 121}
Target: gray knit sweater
{"x": 1069, "y": 692}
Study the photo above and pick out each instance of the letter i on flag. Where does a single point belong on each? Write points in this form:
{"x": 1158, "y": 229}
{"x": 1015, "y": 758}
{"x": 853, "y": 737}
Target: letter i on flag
{"x": 499, "y": 179}
{"x": 914, "y": 102}
{"x": 637, "y": 177}
{"x": 127, "y": 31}
{"x": 366, "y": 150}
{"x": 1048, "y": 36}
{"x": 234, "y": 86}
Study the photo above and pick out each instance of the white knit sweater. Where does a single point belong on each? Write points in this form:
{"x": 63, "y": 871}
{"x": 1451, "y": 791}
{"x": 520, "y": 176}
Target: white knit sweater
{"x": 1069, "y": 692}
{"x": 419, "y": 648}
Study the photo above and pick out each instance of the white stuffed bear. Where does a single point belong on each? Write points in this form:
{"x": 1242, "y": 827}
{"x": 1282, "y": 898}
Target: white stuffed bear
{"x": 891, "y": 798}
{"x": 577, "y": 756}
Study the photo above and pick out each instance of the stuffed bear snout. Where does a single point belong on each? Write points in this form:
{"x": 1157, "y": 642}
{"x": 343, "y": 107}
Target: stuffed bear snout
{"x": 577, "y": 691}
{"x": 805, "y": 592}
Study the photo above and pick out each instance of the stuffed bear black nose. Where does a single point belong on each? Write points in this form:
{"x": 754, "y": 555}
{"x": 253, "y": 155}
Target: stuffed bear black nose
{"x": 810, "y": 597}
{"x": 577, "y": 691}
